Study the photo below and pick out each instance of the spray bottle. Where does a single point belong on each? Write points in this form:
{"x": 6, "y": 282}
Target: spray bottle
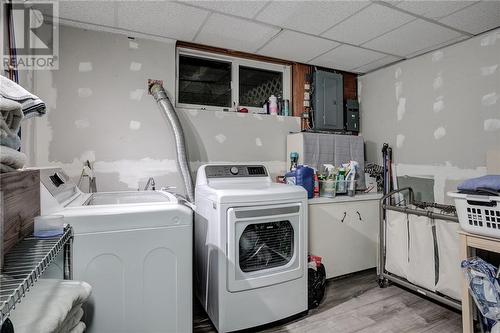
{"x": 353, "y": 167}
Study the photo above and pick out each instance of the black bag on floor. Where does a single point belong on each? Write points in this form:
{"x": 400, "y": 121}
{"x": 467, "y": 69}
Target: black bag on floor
{"x": 316, "y": 282}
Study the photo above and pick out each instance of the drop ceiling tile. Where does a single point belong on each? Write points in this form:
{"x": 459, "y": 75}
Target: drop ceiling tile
{"x": 412, "y": 37}
{"x": 247, "y": 9}
{"x": 376, "y": 64}
{"x": 309, "y": 16}
{"x": 233, "y": 33}
{"x": 162, "y": 18}
{"x": 477, "y": 18}
{"x": 437, "y": 46}
{"x": 347, "y": 57}
{"x": 295, "y": 46}
{"x": 94, "y": 12}
{"x": 433, "y": 9}
{"x": 369, "y": 23}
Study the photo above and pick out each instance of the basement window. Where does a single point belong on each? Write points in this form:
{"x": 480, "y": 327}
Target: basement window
{"x": 216, "y": 82}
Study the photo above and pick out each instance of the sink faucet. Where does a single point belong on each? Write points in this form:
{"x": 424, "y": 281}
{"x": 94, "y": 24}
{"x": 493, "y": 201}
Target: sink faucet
{"x": 151, "y": 182}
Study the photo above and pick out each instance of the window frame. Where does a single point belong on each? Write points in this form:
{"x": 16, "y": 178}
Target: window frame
{"x": 236, "y": 62}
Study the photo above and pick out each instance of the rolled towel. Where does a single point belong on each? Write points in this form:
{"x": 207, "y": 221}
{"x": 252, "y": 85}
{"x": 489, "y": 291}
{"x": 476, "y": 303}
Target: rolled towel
{"x": 80, "y": 328}
{"x": 31, "y": 105}
{"x": 47, "y": 305}
{"x": 71, "y": 320}
{"x": 11, "y": 115}
{"x": 11, "y": 159}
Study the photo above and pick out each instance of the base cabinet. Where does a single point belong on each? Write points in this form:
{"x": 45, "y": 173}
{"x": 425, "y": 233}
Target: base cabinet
{"x": 344, "y": 234}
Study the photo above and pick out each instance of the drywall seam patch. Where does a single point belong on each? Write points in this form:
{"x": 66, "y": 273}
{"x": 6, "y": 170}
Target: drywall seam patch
{"x": 193, "y": 113}
{"x": 400, "y": 139}
{"x": 437, "y": 56}
{"x": 258, "y": 142}
{"x": 489, "y": 99}
{"x": 82, "y": 123}
{"x": 136, "y": 95}
{"x": 438, "y": 105}
{"x": 439, "y": 133}
{"x": 85, "y": 67}
{"x": 491, "y": 125}
{"x": 398, "y": 73}
{"x": 489, "y": 40}
{"x": 84, "y": 92}
{"x": 133, "y": 45}
{"x": 220, "y": 138}
{"x": 135, "y": 66}
{"x": 134, "y": 125}
{"x": 488, "y": 70}
{"x": 401, "y": 108}
{"x": 438, "y": 81}
{"x": 398, "y": 87}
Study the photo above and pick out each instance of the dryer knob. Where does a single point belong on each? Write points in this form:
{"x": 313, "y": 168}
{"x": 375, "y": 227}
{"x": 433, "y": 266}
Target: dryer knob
{"x": 234, "y": 170}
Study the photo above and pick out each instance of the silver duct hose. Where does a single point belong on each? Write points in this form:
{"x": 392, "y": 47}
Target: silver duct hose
{"x": 167, "y": 108}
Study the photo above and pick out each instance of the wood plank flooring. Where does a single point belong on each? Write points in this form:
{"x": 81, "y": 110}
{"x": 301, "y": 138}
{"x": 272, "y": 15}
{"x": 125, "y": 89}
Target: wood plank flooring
{"x": 356, "y": 304}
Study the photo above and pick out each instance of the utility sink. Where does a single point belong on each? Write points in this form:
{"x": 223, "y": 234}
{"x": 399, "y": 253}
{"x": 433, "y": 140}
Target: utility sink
{"x": 132, "y": 197}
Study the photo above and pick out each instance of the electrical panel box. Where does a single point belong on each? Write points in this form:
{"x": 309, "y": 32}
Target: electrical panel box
{"x": 328, "y": 100}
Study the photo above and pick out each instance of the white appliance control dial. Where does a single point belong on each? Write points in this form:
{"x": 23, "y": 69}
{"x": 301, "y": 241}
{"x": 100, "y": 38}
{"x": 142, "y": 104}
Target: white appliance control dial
{"x": 234, "y": 170}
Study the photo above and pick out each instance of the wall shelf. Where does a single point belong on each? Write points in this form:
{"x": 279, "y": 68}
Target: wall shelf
{"x": 26, "y": 262}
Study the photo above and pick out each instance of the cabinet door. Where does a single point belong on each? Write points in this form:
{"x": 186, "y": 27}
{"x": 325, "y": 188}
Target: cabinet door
{"x": 345, "y": 235}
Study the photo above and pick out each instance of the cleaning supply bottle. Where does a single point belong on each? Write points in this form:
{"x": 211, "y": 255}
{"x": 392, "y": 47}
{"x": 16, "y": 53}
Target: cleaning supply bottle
{"x": 305, "y": 178}
{"x": 341, "y": 186}
{"x": 294, "y": 158}
{"x": 316, "y": 184}
{"x": 273, "y": 105}
{"x": 350, "y": 178}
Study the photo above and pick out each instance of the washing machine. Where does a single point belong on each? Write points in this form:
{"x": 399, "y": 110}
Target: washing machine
{"x": 250, "y": 246}
{"x": 134, "y": 249}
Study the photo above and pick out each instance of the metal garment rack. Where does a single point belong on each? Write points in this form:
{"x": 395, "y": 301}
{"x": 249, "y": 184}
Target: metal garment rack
{"x": 26, "y": 262}
{"x": 387, "y": 203}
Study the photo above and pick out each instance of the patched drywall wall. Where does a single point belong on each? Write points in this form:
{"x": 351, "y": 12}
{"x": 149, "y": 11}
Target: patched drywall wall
{"x": 440, "y": 112}
{"x": 99, "y": 110}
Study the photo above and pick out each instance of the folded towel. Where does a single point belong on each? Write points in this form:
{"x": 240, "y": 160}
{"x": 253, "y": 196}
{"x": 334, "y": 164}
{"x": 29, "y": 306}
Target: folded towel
{"x": 71, "y": 320}
{"x": 480, "y": 184}
{"x": 32, "y": 105}
{"x": 80, "y": 328}
{"x": 11, "y": 115}
{"x": 47, "y": 305}
{"x": 11, "y": 159}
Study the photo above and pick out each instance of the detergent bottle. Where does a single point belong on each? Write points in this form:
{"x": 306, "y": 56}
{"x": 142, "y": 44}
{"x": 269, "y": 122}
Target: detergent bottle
{"x": 302, "y": 176}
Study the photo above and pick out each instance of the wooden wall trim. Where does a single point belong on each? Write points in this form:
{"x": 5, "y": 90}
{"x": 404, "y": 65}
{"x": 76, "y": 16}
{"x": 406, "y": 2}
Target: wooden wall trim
{"x": 232, "y": 53}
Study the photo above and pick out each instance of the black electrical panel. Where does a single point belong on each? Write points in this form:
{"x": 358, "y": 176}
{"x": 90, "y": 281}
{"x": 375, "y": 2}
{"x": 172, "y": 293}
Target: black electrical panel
{"x": 352, "y": 115}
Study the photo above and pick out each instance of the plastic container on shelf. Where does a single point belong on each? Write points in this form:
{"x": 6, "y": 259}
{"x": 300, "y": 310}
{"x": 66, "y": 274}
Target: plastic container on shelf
{"x": 273, "y": 105}
{"x": 478, "y": 214}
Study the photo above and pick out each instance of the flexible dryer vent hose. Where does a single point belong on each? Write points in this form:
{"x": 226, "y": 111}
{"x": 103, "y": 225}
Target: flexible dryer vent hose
{"x": 167, "y": 108}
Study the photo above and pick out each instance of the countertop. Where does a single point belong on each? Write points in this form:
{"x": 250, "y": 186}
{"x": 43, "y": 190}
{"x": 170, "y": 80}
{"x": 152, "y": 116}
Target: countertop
{"x": 345, "y": 198}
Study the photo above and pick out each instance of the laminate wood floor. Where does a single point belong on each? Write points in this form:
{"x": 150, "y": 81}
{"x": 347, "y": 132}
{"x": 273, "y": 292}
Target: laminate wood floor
{"x": 356, "y": 304}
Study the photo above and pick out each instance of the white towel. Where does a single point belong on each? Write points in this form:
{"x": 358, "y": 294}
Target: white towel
{"x": 71, "y": 320}
{"x": 47, "y": 305}
{"x": 11, "y": 115}
{"x": 10, "y": 159}
{"x": 32, "y": 105}
{"x": 80, "y": 328}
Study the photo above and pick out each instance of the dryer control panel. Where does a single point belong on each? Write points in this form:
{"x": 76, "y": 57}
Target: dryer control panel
{"x": 230, "y": 171}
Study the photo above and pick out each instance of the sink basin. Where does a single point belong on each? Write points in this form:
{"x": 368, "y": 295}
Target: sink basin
{"x": 121, "y": 198}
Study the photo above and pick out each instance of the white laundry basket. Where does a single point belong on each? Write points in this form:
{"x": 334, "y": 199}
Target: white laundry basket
{"x": 478, "y": 214}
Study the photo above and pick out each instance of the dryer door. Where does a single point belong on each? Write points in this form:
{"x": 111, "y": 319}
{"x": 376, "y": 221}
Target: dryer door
{"x": 265, "y": 246}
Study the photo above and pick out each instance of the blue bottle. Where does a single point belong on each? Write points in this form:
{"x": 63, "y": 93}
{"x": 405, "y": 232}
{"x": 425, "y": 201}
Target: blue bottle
{"x": 302, "y": 176}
